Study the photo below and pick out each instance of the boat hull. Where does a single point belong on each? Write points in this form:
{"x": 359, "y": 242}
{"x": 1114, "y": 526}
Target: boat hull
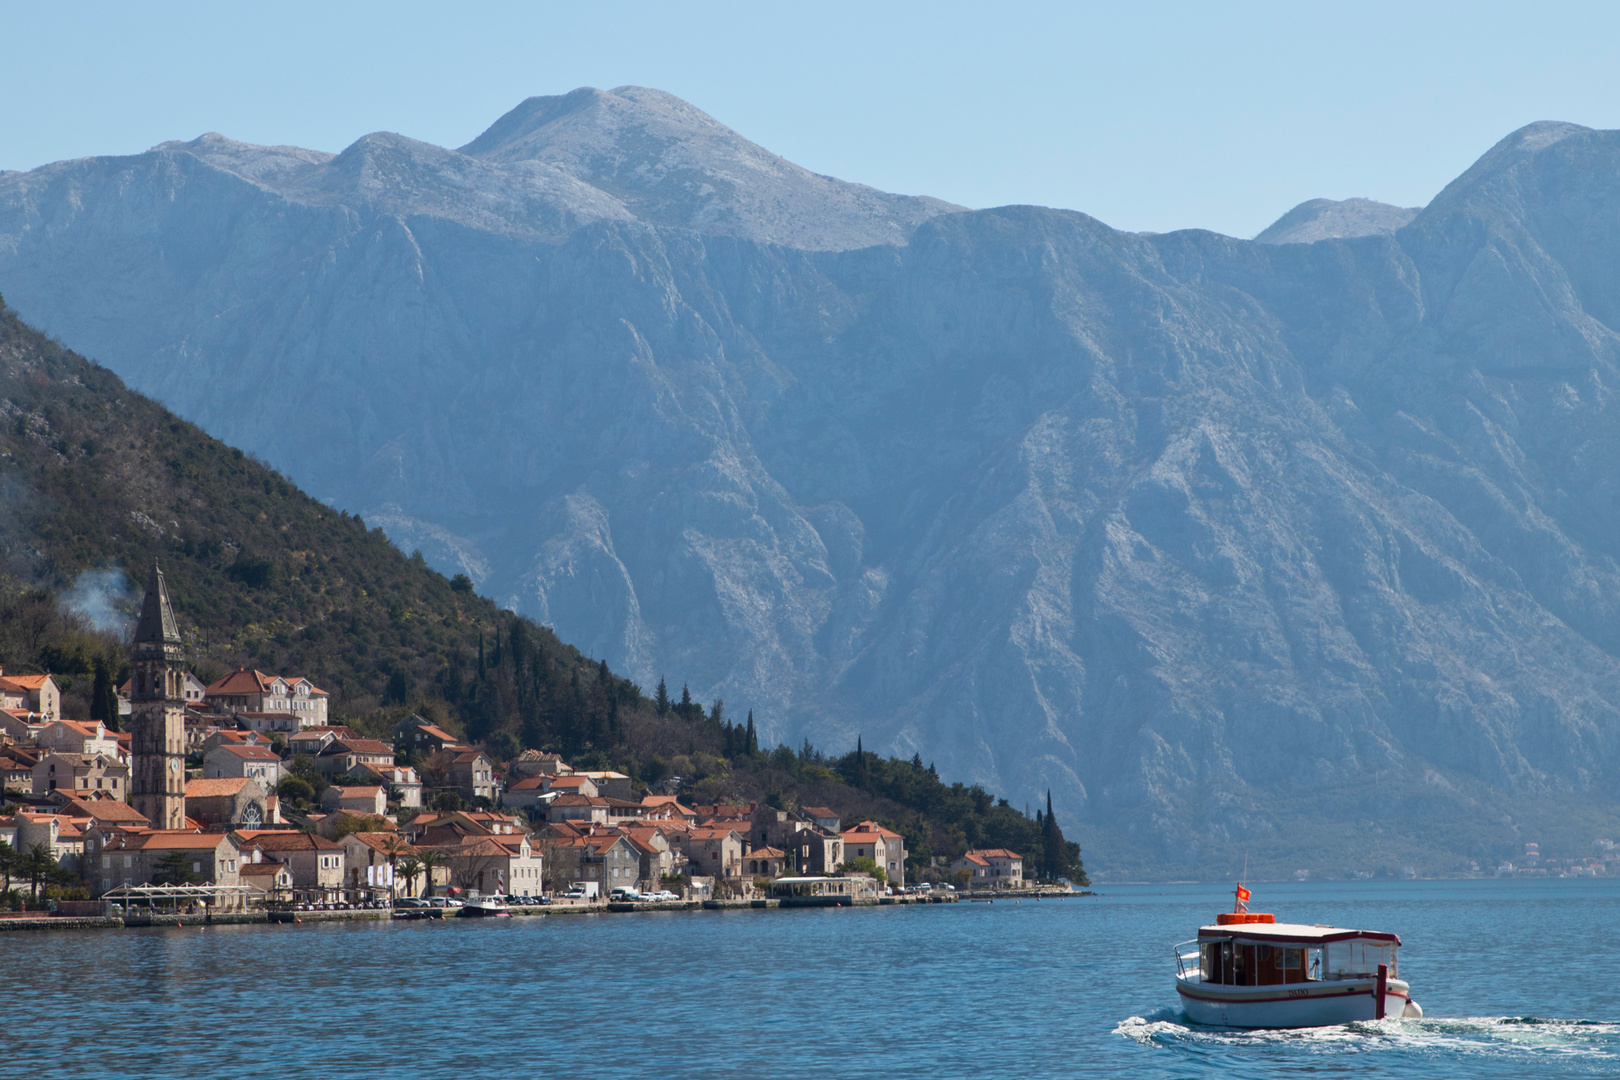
{"x": 1294, "y": 1006}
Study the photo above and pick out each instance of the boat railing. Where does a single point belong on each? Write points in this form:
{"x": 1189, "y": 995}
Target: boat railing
{"x": 1188, "y": 961}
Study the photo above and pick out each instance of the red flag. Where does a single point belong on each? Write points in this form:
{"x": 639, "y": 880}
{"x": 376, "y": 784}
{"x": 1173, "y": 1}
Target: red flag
{"x": 1243, "y": 895}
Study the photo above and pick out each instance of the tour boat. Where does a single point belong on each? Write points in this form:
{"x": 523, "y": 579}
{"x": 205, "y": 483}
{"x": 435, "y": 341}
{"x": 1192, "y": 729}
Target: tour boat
{"x": 1251, "y": 971}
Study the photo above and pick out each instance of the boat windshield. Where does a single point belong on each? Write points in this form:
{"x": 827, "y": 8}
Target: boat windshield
{"x": 1255, "y": 963}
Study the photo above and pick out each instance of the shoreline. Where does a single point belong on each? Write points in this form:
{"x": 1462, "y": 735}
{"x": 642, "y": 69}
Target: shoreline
{"x": 20, "y": 923}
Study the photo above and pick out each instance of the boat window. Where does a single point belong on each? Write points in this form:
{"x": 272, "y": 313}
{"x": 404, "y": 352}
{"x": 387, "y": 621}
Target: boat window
{"x": 1313, "y": 964}
{"x": 1226, "y": 963}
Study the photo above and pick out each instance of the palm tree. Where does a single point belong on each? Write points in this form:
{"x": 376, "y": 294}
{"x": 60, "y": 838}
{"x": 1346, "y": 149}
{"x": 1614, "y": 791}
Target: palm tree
{"x": 409, "y": 867}
{"x": 430, "y": 858}
{"x": 10, "y": 860}
{"x": 38, "y": 864}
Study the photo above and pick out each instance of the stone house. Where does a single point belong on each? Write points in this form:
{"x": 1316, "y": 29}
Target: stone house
{"x": 607, "y": 858}
{"x": 992, "y": 868}
{"x": 313, "y": 740}
{"x": 884, "y": 846}
{"x": 316, "y": 862}
{"x": 204, "y": 741}
{"x": 344, "y": 757}
{"x": 251, "y": 761}
{"x": 528, "y": 794}
{"x": 401, "y": 782}
{"x": 132, "y": 858}
{"x": 371, "y": 799}
{"x": 473, "y": 773}
{"x": 764, "y": 862}
{"x": 255, "y": 693}
{"x": 31, "y": 693}
{"x": 20, "y": 725}
{"x": 572, "y": 785}
{"x": 417, "y": 733}
{"x": 532, "y": 763}
{"x": 578, "y": 808}
{"x": 370, "y": 862}
{"x": 495, "y": 864}
{"x": 79, "y": 737}
{"x": 62, "y": 834}
{"x": 17, "y": 768}
{"x": 815, "y": 850}
{"x": 658, "y": 856}
{"x": 609, "y": 785}
{"x": 104, "y": 809}
{"x": 714, "y": 852}
{"x": 80, "y": 773}
{"x": 823, "y": 816}
{"x": 667, "y": 807}
{"x": 237, "y": 802}
{"x": 271, "y": 878}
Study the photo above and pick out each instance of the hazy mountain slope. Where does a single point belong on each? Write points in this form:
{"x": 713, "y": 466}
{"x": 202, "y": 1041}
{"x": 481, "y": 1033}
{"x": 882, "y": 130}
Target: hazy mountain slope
{"x": 1326, "y": 219}
{"x": 1300, "y": 549}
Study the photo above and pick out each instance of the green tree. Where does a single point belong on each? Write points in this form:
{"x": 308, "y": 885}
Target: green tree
{"x": 10, "y": 863}
{"x": 175, "y": 869}
{"x": 296, "y": 790}
{"x": 863, "y": 864}
{"x": 37, "y": 865}
{"x": 431, "y": 859}
{"x": 661, "y": 701}
{"x": 104, "y": 696}
{"x": 408, "y": 867}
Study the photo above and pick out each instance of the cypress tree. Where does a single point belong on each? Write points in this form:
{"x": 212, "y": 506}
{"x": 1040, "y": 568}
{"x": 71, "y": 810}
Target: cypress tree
{"x": 686, "y": 705}
{"x": 860, "y": 764}
{"x": 1054, "y": 863}
{"x": 104, "y": 697}
{"x": 483, "y": 672}
{"x": 662, "y": 698}
{"x": 753, "y": 738}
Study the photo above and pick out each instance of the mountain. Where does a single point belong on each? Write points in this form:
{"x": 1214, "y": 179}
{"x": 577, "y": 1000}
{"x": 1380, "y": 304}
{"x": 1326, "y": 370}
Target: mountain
{"x": 98, "y": 483}
{"x": 1326, "y": 219}
{"x": 1300, "y": 550}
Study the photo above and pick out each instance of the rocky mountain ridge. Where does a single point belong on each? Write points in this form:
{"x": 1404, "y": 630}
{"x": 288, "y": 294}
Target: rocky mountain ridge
{"x": 1295, "y": 547}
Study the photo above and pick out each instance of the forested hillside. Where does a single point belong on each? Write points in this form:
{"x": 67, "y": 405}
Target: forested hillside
{"x": 98, "y": 482}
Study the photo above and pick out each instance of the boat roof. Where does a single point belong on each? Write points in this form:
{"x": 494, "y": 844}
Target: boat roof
{"x": 1291, "y": 932}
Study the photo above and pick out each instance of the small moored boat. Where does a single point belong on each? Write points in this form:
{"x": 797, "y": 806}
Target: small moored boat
{"x": 1251, "y": 971}
{"x": 485, "y": 907}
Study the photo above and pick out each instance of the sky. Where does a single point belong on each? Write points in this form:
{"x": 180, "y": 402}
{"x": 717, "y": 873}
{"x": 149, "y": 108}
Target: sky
{"x": 1148, "y": 116}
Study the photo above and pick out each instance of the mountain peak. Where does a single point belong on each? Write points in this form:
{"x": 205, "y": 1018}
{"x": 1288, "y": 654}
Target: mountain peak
{"x": 1329, "y": 219}
{"x": 670, "y": 163}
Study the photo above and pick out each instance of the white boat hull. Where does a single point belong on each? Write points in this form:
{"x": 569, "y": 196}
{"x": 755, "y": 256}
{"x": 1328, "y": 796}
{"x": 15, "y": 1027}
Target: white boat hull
{"x": 1315, "y": 1004}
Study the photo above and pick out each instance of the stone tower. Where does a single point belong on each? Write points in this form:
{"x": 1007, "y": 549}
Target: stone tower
{"x": 157, "y": 782}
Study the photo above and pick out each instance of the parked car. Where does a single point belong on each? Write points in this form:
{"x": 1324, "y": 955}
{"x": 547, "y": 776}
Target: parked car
{"x": 411, "y": 902}
{"x": 625, "y": 893}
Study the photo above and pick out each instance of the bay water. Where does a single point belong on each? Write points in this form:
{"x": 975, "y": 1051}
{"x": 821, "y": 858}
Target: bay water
{"x": 1516, "y": 978}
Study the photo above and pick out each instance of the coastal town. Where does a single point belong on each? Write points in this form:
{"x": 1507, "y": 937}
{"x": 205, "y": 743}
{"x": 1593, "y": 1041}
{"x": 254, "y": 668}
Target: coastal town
{"x": 241, "y": 796}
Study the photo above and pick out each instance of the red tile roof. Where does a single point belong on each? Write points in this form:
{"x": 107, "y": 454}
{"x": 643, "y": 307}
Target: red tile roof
{"x": 243, "y": 681}
{"x": 225, "y": 785}
{"x": 171, "y": 839}
{"x": 251, "y": 752}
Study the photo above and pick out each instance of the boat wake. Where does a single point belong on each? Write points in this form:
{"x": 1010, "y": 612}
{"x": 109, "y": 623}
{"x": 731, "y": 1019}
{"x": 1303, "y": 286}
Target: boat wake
{"x": 1565, "y": 1046}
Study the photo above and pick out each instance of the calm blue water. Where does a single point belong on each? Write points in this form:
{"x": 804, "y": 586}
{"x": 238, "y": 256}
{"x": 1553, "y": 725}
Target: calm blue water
{"x": 1515, "y": 978}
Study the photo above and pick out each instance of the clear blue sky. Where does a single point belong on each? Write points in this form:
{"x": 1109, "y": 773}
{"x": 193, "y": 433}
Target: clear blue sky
{"x": 1148, "y": 116}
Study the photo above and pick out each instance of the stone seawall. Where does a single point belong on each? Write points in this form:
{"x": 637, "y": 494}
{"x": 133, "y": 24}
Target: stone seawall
{"x": 60, "y": 922}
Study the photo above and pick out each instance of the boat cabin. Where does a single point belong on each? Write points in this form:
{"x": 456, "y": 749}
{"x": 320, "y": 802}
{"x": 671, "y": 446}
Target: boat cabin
{"x": 1264, "y": 953}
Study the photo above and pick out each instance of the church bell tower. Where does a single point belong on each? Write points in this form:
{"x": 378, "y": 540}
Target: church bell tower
{"x": 157, "y": 713}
